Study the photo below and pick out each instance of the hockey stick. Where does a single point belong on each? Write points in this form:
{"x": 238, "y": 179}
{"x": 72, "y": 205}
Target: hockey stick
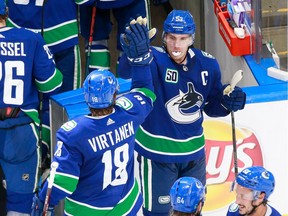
{"x": 235, "y": 79}
{"x": 54, "y": 166}
{"x": 40, "y": 110}
{"x": 90, "y": 39}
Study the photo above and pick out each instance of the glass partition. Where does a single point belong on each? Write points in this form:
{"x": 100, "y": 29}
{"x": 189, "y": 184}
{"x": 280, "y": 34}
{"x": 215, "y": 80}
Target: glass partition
{"x": 273, "y": 29}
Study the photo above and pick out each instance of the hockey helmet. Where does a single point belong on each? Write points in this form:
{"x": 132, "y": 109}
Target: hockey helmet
{"x": 99, "y": 88}
{"x": 186, "y": 194}
{"x": 179, "y": 22}
{"x": 257, "y": 179}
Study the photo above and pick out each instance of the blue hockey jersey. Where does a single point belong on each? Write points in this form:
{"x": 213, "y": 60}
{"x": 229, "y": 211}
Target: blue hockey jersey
{"x": 27, "y": 67}
{"x": 173, "y": 131}
{"x": 110, "y": 4}
{"x": 96, "y": 157}
{"x": 60, "y": 26}
{"x": 234, "y": 211}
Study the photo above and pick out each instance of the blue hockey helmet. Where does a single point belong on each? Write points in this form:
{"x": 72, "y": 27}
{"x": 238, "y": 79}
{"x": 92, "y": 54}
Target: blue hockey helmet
{"x": 257, "y": 179}
{"x": 99, "y": 89}
{"x": 186, "y": 194}
{"x": 2, "y": 7}
{"x": 180, "y": 22}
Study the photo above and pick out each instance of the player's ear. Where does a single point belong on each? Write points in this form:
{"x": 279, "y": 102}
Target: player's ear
{"x": 261, "y": 196}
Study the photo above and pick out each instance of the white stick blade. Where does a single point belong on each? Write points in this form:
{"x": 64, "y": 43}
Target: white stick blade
{"x": 236, "y": 78}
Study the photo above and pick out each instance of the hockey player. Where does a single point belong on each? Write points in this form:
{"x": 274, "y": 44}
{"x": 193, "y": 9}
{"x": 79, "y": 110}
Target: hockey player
{"x": 95, "y": 152}
{"x": 253, "y": 186}
{"x": 57, "y": 21}
{"x": 122, "y": 11}
{"x": 187, "y": 197}
{"x": 171, "y": 142}
{"x": 60, "y": 31}
{"x": 26, "y": 68}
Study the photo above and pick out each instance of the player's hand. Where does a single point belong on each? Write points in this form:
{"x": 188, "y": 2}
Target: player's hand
{"x": 136, "y": 43}
{"x": 37, "y": 208}
{"x": 233, "y": 100}
{"x": 151, "y": 33}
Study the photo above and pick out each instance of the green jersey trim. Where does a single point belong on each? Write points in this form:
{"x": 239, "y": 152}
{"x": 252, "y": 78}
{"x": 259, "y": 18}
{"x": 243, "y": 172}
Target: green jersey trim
{"x": 65, "y": 182}
{"x": 51, "y": 84}
{"x": 168, "y": 146}
{"x": 146, "y": 92}
{"x": 100, "y": 59}
{"x": 73, "y": 207}
{"x": 56, "y": 34}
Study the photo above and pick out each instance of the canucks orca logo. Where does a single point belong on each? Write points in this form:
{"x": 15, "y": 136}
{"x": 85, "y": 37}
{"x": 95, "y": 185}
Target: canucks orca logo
{"x": 184, "y": 108}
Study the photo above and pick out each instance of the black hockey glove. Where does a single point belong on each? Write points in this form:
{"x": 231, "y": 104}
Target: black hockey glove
{"x": 136, "y": 43}
{"x": 235, "y": 100}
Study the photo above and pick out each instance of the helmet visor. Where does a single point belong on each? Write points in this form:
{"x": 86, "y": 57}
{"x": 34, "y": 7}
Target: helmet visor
{"x": 243, "y": 193}
{"x": 178, "y": 40}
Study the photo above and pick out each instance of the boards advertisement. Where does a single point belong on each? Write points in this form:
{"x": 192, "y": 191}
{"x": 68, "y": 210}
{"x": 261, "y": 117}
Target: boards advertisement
{"x": 261, "y": 139}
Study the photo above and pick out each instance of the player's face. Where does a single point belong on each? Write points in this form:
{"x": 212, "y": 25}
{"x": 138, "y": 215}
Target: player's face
{"x": 244, "y": 199}
{"x": 177, "y": 45}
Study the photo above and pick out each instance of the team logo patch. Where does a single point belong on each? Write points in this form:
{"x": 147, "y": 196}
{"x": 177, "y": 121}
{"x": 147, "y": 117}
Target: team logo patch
{"x": 207, "y": 55}
{"x": 124, "y": 102}
{"x": 233, "y": 207}
{"x": 184, "y": 108}
{"x": 164, "y": 199}
{"x": 69, "y": 125}
{"x": 171, "y": 76}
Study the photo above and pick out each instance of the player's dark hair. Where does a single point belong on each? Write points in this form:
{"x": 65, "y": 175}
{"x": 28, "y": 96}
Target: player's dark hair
{"x": 101, "y": 112}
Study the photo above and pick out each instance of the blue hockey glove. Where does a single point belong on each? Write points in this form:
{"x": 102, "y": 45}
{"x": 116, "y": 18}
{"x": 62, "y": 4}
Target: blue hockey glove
{"x": 37, "y": 207}
{"x": 136, "y": 43}
{"x": 235, "y": 100}
{"x": 151, "y": 33}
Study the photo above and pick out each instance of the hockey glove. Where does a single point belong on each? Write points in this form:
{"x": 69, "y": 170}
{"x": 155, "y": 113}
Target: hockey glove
{"x": 37, "y": 207}
{"x": 136, "y": 43}
{"x": 143, "y": 21}
{"x": 234, "y": 100}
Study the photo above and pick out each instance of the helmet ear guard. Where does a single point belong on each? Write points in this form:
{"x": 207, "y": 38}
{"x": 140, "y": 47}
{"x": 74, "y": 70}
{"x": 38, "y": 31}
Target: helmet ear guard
{"x": 99, "y": 88}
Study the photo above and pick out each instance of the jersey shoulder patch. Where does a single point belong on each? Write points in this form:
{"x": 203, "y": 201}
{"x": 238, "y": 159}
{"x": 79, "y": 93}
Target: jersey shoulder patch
{"x": 159, "y": 49}
{"x": 124, "y": 102}
{"x": 68, "y": 126}
{"x": 233, "y": 207}
{"x": 207, "y": 55}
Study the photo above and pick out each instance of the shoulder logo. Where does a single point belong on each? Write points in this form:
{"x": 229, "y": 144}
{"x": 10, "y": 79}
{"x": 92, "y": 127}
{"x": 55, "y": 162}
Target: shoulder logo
{"x": 171, "y": 76}
{"x": 124, "y": 102}
{"x": 233, "y": 207}
{"x": 160, "y": 49}
{"x": 69, "y": 125}
{"x": 207, "y": 55}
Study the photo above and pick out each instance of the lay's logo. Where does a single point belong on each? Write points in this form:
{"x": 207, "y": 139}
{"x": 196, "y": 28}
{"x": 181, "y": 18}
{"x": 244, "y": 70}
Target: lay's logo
{"x": 220, "y": 161}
